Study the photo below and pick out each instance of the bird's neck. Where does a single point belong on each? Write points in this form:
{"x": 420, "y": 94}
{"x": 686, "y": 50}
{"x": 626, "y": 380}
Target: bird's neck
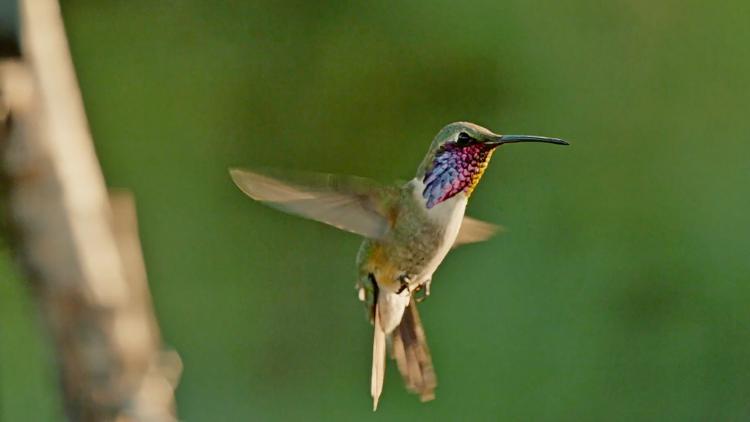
{"x": 443, "y": 213}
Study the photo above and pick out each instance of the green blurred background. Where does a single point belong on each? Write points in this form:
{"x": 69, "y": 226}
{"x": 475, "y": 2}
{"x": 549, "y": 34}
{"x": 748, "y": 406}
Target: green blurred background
{"x": 618, "y": 292}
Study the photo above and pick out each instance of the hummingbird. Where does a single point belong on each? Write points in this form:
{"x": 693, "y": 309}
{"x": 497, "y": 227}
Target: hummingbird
{"x": 408, "y": 229}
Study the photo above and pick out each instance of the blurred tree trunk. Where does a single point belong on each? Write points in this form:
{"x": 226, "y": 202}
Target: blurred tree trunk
{"x": 78, "y": 244}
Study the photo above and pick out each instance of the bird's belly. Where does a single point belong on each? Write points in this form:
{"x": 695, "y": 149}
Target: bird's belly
{"x": 415, "y": 246}
{"x": 426, "y": 237}
{"x": 451, "y": 223}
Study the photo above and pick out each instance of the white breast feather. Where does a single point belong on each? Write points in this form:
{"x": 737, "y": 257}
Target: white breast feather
{"x": 450, "y": 214}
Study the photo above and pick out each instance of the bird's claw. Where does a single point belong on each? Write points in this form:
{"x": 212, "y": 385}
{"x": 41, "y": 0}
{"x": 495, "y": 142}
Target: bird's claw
{"x": 424, "y": 289}
{"x": 405, "y": 281}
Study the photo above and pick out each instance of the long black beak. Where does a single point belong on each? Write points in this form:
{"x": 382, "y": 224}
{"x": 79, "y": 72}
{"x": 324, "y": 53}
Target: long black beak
{"x": 509, "y": 139}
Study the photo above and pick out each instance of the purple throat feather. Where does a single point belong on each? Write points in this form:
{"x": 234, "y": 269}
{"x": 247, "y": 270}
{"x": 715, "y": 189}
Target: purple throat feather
{"x": 454, "y": 169}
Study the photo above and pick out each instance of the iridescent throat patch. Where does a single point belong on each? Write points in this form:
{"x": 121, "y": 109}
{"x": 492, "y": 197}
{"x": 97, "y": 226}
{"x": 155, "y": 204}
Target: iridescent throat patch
{"x": 455, "y": 168}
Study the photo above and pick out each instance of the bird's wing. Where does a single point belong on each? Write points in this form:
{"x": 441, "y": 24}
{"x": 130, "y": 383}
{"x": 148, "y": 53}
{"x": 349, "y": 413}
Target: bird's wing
{"x": 473, "y": 230}
{"x": 409, "y": 349}
{"x": 350, "y": 203}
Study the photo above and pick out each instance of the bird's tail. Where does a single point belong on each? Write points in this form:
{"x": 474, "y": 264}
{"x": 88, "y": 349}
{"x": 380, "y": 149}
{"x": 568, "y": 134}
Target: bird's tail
{"x": 409, "y": 349}
{"x": 378, "y": 360}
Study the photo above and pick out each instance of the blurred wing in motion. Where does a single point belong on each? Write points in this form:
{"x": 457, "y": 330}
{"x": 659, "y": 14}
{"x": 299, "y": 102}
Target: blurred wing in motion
{"x": 409, "y": 349}
{"x": 350, "y": 203}
{"x": 473, "y": 230}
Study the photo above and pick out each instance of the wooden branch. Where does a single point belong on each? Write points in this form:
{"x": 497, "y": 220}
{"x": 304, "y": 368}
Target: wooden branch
{"x": 79, "y": 248}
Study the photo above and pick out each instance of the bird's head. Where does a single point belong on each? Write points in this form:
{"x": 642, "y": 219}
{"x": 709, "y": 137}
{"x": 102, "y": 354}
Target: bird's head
{"x": 458, "y": 156}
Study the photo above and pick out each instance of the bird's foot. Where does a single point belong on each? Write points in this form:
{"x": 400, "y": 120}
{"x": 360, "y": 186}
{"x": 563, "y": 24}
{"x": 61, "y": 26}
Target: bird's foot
{"x": 424, "y": 289}
{"x": 405, "y": 281}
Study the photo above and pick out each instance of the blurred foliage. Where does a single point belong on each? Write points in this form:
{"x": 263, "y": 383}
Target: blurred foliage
{"x": 619, "y": 291}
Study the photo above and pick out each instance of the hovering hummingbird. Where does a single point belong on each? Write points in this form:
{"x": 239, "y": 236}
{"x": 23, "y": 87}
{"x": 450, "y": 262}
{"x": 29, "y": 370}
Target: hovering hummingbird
{"x": 408, "y": 230}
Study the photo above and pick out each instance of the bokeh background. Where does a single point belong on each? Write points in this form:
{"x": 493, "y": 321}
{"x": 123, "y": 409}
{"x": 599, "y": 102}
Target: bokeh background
{"x": 618, "y": 292}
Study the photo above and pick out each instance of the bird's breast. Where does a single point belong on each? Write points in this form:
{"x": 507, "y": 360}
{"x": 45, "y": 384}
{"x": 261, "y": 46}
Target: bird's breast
{"x": 422, "y": 236}
{"x": 418, "y": 241}
{"x": 447, "y": 216}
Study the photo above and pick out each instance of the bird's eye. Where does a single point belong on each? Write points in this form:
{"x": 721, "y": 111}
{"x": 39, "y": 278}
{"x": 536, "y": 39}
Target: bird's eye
{"x": 463, "y": 139}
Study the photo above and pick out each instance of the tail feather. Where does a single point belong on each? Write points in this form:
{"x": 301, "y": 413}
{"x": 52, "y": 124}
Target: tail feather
{"x": 378, "y": 360}
{"x": 409, "y": 349}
